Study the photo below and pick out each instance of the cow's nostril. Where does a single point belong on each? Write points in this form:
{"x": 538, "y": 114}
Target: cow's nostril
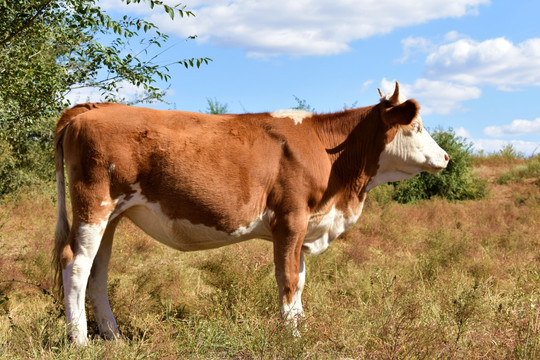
{"x": 446, "y": 158}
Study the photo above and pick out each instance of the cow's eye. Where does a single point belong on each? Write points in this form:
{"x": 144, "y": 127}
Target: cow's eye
{"x": 416, "y": 127}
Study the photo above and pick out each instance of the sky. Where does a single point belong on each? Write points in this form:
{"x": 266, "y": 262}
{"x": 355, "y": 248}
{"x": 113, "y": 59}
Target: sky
{"x": 473, "y": 65}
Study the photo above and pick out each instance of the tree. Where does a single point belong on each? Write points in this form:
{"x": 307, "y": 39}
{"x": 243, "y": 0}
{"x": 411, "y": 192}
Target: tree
{"x": 301, "y": 104}
{"x": 50, "y": 47}
{"x": 215, "y": 107}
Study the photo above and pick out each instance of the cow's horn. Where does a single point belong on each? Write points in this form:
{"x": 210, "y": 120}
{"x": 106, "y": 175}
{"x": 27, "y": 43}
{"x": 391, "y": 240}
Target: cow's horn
{"x": 395, "y": 98}
{"x": 380, "y": 92}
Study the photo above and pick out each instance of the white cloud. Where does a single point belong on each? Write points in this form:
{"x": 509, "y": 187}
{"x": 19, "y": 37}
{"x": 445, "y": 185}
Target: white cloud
{"x": 84, "y": 95}
{"x": 515, "y": 128}
{"x": 304, "y": 27}
{"x": 496, "y": 62}
{"x": 366, "y": 85}
{"x": 141, "y": 8}
{"x": 453, "y": 36}
{"x": 527, "y": 148}
{"x": 435, "y": 97}
{"x": 421, "y": 45}
{"x": 462, "y": 132}
{"x": 126, "y": 92}
{"x": 414, "y": 45}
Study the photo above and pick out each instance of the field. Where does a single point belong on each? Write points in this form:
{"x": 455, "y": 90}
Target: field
{"x": 433, "y": 280}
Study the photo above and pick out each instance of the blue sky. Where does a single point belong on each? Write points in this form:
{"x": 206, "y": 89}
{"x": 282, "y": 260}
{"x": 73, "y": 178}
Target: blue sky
{"x": 473, "y": 65}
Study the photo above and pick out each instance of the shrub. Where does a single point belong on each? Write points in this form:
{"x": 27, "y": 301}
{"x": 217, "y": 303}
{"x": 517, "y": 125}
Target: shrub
{"x": 456, "y": 182}
{"x": 509, "y": 153}
{"x": 504, "y": 157}
{"x": 215, "y": 107}
{"x": 529, "y": 170}
{"x": 28, "y": 158}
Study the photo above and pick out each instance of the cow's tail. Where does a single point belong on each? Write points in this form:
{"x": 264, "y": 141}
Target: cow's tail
{"x": 63, "y": 249}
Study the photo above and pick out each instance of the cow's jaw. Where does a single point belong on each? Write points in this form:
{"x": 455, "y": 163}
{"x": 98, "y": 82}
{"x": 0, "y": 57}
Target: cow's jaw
{"x": 411, "y": 151}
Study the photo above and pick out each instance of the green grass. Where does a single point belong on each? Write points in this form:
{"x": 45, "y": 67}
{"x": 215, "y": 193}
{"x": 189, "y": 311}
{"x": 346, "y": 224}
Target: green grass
{"x": 433, "y": 280}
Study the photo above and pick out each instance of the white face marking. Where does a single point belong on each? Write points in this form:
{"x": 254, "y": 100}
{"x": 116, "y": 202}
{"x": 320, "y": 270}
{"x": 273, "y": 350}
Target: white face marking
{"x": 412, "y": 151}
{"x": 408, "y": 154}
{"x": 296, "y": 115}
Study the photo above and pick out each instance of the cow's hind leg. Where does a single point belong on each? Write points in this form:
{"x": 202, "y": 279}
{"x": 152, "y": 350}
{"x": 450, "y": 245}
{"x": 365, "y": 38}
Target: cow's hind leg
{"x": 97, "y": 285}
{"x": 87, "y": 239}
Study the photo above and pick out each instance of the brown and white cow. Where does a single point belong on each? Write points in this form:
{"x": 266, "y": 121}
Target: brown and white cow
{"x": 196, "y": 181}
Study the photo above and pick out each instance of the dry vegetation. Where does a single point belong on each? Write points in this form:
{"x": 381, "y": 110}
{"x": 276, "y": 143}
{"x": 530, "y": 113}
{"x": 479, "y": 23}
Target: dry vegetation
{"x": 432, "y": 280}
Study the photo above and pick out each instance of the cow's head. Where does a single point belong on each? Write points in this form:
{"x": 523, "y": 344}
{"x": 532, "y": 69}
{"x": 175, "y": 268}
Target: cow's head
{"x": 410, "y": 149}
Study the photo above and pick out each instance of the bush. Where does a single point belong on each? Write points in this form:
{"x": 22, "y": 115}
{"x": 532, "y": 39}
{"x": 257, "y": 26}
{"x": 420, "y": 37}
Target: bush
{"x": 215, "y": 107}
{"x": 529, "y": 170}
{"x": 456, "y": 182}
{"x": 507, "y": 156}
{"x": 26, "y": 155}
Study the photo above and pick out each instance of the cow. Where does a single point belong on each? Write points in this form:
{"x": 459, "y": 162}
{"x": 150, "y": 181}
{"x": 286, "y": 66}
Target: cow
{"x": 198, "y": 181}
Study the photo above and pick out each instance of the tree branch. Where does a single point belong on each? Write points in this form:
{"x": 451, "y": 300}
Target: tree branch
{"x": 26, "y": 24}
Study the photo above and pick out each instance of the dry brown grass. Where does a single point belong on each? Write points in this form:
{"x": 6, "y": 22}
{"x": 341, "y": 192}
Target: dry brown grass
{"x": 432, "y": 280}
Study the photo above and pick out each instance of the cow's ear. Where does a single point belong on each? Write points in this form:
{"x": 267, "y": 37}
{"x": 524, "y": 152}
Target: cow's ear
{"x": 402, "y": 114}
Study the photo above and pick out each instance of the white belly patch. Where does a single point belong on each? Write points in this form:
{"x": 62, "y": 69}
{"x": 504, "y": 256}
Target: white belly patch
{"x": 183, "y": 235}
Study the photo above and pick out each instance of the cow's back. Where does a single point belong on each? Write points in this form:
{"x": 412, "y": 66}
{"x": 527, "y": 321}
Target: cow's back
{"x": 218, "y": 171}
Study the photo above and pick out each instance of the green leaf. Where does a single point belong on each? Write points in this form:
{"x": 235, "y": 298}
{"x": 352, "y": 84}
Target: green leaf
{"x": 169, "y": 10}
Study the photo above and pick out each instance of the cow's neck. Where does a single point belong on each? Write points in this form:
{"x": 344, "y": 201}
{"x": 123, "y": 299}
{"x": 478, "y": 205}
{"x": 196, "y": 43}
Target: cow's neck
{"x": 354, "y": 140}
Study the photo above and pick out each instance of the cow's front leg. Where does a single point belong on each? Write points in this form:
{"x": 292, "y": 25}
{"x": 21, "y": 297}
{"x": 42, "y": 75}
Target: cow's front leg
{"x": 293, "y": 311}
{"x": 290, "y": 267}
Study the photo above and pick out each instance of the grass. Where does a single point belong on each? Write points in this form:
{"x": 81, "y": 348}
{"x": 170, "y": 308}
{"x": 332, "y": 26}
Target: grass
{"x": 527, "y": 171}
{"x": 434, "y": 280}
